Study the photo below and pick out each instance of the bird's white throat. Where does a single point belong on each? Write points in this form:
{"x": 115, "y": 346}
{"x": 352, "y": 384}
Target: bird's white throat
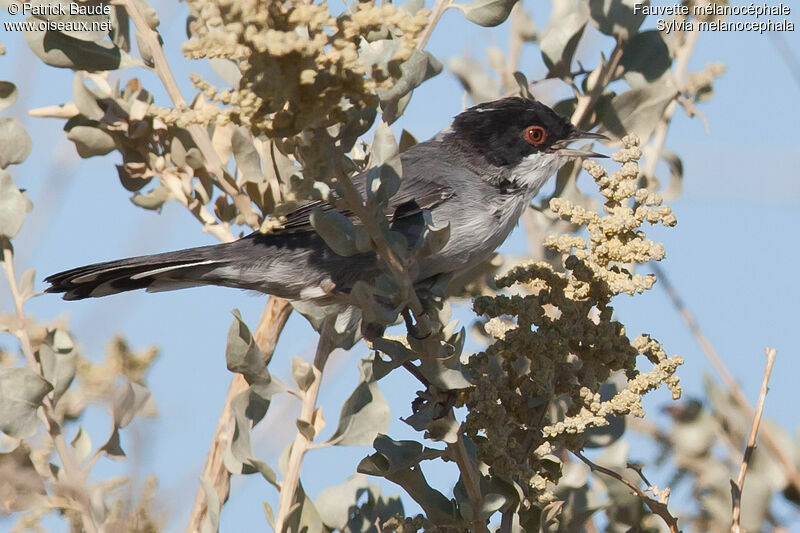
{"x": 534, "y": 170}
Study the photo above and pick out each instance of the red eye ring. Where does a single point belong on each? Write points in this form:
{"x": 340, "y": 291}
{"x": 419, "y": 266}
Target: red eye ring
{"x": 535, "y": 135}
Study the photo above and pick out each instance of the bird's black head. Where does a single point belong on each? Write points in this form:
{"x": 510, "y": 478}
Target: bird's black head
{"x": 506, "y": 131}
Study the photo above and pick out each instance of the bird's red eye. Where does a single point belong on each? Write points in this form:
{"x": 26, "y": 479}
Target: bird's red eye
{"x": 536, "y": 135}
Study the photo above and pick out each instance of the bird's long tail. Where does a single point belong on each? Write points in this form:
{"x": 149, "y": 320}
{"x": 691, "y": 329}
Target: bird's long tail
{"x": 158, "y": 272}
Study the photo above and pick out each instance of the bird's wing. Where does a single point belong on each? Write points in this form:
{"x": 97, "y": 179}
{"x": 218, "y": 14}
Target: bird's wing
{"x": 413, "y": 197}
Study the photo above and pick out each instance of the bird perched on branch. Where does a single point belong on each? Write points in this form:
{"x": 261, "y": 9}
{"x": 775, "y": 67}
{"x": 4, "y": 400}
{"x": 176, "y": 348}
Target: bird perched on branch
{"x": 478, "y": 178}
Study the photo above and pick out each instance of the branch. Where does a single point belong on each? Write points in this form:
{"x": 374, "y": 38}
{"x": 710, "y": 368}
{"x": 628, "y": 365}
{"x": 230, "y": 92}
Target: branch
{"x": 586, "y": 102}
{"x": 514, "y": 49}
{"x": 436, "y": 14}
{"x": 738, "y": 486}
{"x": 657, "y": 507}
{"x": 656, "y": 146}
{"x": 308, "y": 411}
{"x": 266, "y": 335}
{"x": 471, "y": 477}
{"x": 730, "y": 382}
{"x": 74, "y": 476}
{"x": 389, "y": 114}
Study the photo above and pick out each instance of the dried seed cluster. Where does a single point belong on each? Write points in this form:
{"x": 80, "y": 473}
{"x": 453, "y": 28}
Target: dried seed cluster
{"x": 301, "y": 65}
{"x": 538, "y": 385}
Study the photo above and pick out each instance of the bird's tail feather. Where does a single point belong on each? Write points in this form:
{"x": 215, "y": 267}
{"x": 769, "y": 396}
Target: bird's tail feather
{"x": 158, "y": 272}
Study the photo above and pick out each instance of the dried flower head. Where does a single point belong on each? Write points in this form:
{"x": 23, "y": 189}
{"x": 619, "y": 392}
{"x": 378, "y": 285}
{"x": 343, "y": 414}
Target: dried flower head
{"x": 538, "y": 384}
{"x": 302, "y": 67}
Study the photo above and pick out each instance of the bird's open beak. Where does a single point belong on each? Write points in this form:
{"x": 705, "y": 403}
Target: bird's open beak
{"x": 578, "y": 135}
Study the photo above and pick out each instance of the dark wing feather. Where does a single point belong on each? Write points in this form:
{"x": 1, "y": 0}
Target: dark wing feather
{"x": 409, "y": 200}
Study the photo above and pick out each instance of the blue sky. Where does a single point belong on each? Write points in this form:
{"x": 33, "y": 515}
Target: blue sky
{"x": 733, "y": 257}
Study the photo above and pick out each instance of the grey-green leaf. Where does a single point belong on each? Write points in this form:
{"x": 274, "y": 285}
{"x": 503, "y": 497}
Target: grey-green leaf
{"x": 384, "y": 145}
{"x": 248, "y": 409}
{"x": 637, "y": 111}
{"x": 419, "y": 67}
{"x": 91, "y": 141}
{"x": 616, "y": 17}
{"x": 127, "y": 401}
{"x": 365, "y": 413}
{"x": 447, "y": 373}
{"x": 398, "y": 353}
{"x": 395, "y": 455}
{"x": 523, "y": 84}
{"x": 242, "y": 354}
{"x": 82, "y": 444}
{"x": 560, "y": 39}
{"x": 491, "y": 503}
{"x": 15, "y": 143}
{"x": 675, "y": 186}
{"x": 487, "y": 12}
{"x": 58, "y": 369}
{"x": 113, "y": 448}
{"x": 227, "y": 70}
{"x": 407, "y": 140}
{"x": 13, "y": 206}
{"x": 246, "y": 155}
{"x": 8, "y": 94}
{"x": 480, "y": 86}
{"x": 335, "y": 504}
{"x": 383, "y": 180}
{"x": 645, "y": 58}
{"x": 60, "y": 50}
{"x": 336, "y": 230}
{"x": 302, "y": 373}
{"x": 304, "y": 517}
{"x": 432, "y": 239}
{"x": 394, "y": 461}
{"x": 21, "y": 394}
{"x": 85, "y": 99}
{"x": 152, "y": 199}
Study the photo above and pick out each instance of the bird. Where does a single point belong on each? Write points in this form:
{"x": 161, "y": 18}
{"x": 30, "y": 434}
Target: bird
{"x": 478, "y": 177}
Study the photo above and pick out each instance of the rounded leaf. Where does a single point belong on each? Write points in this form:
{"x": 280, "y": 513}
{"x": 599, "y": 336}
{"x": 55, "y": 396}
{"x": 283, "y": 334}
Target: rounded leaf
{"x": 61, "y": 50}
{"x": 336, "y": 230}
{"x": 13, "y": 206}
{"x": 15, "y": 143}
{"x": 90, "y": 141}
{"x": 560, "y": 39}
{"x": 645, "y": 58}
{"x": 8, "y": 94}
{"x": 21, "y": 393}
{"x": 637, "y": 111}
{"x": 487, "y": 12}
{"x": 616, "y": 17}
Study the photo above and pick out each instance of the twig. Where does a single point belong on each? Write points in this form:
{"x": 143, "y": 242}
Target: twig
{"x": 657, "y": 507}
{"x": 472, "y": 480}
{"x": 786, "y": 53}
{"x": 656, "y": 146}
{"x": 389, "y": 114}
{"x": 730, "y": 382}
{"x": 266, "y": 335}
{"x": 436, "y": 14}
{"x": 74, "y": 476}
{"x": 514, "y": 48}
{"x": 586, "y": 102}
{"x": 301, "y": 442}
{"x": 738, "y": 486}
